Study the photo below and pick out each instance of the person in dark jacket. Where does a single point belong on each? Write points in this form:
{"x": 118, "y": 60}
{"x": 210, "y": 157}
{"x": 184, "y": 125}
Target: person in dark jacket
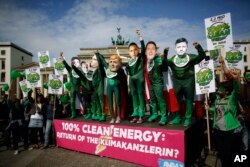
{"x": 4, "y": 120}
{"x": 49, "y": 115}
{"x": 16, "y": 122}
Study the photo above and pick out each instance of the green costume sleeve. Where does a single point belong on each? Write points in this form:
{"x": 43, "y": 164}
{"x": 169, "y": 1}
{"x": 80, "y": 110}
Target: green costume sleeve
{"x": 74, "y": 92}
{"x": 80, "y": 73}
{"x": 236, "y": 90}
{"x": 212, "y": 109}
{"x": 87, "y": 85}
{"x": 68, "y": 68}
{"x": 165, "y": 61}
{"x": 155, "y": 74}
{"x": 201, "y": 55}
{"x": 102, "y": 63}
{"x": 101, "y": 60}
{"x": 143, "y": 47}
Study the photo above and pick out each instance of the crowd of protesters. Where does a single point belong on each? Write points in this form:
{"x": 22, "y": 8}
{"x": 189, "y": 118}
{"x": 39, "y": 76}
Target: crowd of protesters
{"x": 32, "y": 119}
{"x": 29, "y": 121}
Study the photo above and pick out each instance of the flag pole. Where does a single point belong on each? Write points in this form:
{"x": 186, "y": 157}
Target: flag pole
{"x": 54, "y": 107}
{"x": 208, "y": 127}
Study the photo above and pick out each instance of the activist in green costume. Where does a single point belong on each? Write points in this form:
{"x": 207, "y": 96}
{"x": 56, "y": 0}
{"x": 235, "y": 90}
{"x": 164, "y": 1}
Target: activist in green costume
{"x": 182, "y": 66}
{"x": 97, "y": 84}
{"x": 75, "y": 83}
{"x": 87, "y": 89}
{"x": 116, "y": 83}
{"x": 154, "y": 68}
{"x": 135, "y": 69}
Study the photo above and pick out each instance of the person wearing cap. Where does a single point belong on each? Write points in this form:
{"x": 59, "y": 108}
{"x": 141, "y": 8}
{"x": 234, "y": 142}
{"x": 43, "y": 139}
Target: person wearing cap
{"x": 226, "y": 124}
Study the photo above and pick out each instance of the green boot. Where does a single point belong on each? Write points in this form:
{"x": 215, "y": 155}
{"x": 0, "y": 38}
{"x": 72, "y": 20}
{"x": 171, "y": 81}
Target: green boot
{"x": 163, "y": 121}
{"x": 95, "y": 117}
{"x": 87, "y": 116}
{"x": 141, "y": 106}
{"x": 163, "y": 110}
{"x": 154, "y": 115}
{"x": 135, "y": 113}
{"x": 94, "y": 110}
{"x": 188, "y": 114}
{"x": 135, "y": 106}
{"x": 102, "y": 118}
{"x": 187, "y": 122}
{"x": 73, "y": 114}
{"x": 177, "y": 119}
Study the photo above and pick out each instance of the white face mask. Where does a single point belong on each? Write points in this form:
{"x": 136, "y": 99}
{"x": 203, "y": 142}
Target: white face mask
{"x": 181, "y": 48}
{"x": 151, "y": 51}
{"x": 133, "y": 51}
{"x": 94, "y": 63}
{"x": 85, "y": 68}
{"x": 76, "y": 63}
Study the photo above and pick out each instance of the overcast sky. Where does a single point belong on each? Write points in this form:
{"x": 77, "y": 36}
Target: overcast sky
{"x": 68, "y": 25}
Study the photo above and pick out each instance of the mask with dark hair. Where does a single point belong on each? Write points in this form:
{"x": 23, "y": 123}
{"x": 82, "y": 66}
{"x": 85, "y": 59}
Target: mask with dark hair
{"x": 75, "y": 61}
{"x": 179, "y": 40}
{"x": 132, "y": 44}
{"x": 181, "y": 46}
{"x": 151, "y": 50}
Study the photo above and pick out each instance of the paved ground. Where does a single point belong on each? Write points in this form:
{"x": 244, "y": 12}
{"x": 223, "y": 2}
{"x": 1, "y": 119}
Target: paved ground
{"x": 54, "y": 157}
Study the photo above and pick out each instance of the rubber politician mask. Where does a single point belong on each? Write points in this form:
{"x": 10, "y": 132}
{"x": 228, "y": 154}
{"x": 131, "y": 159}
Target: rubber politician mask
{"x": 133, "y": 51}
{"x": 181, "y": 48}
{"x": 94, "y": 62}
{"x": 114, "y": 63}
{"x": 151, "y": 51}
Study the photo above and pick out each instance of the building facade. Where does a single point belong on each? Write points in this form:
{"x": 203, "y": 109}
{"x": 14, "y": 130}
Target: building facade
{"x": 246, "y": 53}
{"x": 86, "y": 54}
{"x": 11, "y": 56}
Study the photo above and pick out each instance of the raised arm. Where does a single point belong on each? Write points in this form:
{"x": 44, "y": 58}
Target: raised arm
{"x": 84, "y": 81}
{"x": 68, "y": 68}
{"x": 165, "y": 61}
{"x": 143, "y": 47}
{"x": 79, "y": 72}
{"x": 229, "y": 74}
{"x": 101, "y": 60}
{"x": 201, "y": 53}
{"x": 165, "y": 53}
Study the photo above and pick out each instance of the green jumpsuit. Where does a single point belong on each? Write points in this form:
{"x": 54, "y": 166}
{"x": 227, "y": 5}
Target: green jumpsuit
{"x": 97, "y": 84}
{"x": 135, "y": 71}
{"x": 184, "y": 80}
{"x": 114, "y": 81}
{"x": 86, "y": 83}
{"x": 74, "y": 91}
{"x": 154, "y": 68}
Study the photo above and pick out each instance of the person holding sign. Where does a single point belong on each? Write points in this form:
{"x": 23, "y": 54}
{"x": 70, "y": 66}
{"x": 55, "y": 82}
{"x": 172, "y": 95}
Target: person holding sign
{"x": 135, "y": 69}
{"x": 226, "y": 124}
{"x": 182, "y": 66}
{"x": 75, "y": 83}
{"x": 116, "y": 83}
